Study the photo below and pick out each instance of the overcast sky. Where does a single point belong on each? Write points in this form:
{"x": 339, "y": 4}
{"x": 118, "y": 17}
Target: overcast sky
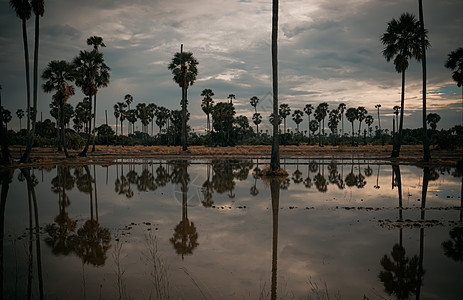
{"x": 329, "y": 51}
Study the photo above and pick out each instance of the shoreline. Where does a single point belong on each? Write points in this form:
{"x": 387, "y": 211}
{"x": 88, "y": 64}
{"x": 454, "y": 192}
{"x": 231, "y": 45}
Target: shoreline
{"x": 107, "y": 155}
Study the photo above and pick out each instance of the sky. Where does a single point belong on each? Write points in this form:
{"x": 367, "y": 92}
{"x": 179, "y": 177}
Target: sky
{"x": 329, "y": 51}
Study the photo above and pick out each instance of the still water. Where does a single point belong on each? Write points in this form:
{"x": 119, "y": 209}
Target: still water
{"x": 214, "y": 230}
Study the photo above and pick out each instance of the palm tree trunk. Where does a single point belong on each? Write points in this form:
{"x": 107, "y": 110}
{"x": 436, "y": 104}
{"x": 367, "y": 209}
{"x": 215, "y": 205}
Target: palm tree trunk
{"x": 28, "y": 83}
{"x": 398, "y": 140}
{"x": 63, "y": 134}
{"x": 184, "y": 134}
{"x": 275, "y": 156}
{"x": 89, "y": 129}
{"x": 426, "y": 152}
{"x": 30, "y": 140}
{"x": 94, "y": 120}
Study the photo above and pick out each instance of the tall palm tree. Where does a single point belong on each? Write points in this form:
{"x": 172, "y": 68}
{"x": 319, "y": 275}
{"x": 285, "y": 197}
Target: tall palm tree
{"x": 321, "y": 112}
{"x": 285, "y": 111}
{"x": 369, "y": 120}
{"x": 184, "y": 68}
{"x": 424, "y": 45}
{"x": 378, "y": 106}
{"x": 308, "y": 110}
{"x": 341, "y": 109}
{"x": 402, "y": 41}
{"x": 351, "y": 115}
{"x": 20, "y": 115}
{"x": 120, "y": 107}
{"x": 91, "y": 73}
{"x": 254, "y": 101}
{"x": 23, "y": 11}
{"x": 231, "y": 97}
{"x": 96, "y": 42}
{"x": 275, "y": 156}
{"x": 297, "y": 118}
{"x": 361, "y": 115}
{"x": 116, "y": 114}
{"x": 58, "y": 76}
{"x": 128, "y": 99}
{"x": 207, "y": 105}
{"x": 257, "y": 119}
{"x": 455, "y": 63}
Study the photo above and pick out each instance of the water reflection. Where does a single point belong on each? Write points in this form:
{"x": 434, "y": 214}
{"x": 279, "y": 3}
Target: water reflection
{"x": 221, "y": 240}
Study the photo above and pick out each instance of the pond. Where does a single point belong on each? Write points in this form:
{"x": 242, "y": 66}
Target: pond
{"x": 212, "y": 229}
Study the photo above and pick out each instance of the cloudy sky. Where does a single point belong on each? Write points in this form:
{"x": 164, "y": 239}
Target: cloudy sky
{"x": 329, "y": 51}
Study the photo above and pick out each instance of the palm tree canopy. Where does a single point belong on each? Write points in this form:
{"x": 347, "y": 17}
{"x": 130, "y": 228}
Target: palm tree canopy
{"x": 91, "y": 72}
{"x": 285, "y": 110}
{"x": 361, "y": 113}
{"x": 38, "y": 7}
{"x": 308, "y": 109}
{"x": 57, "y": 76}
{"x": 128, "y": 99}
{"x": 351, "y": 114}
{"x": 432, "y": 119}
{"x": 455, "y": 63}
{"x": 22, "y": 8}
{"x": 402, "y": 41}
{"x": 369, "y": 120}
{"x": 254, "y": 101}
{"x": 95, "y": 41}
{"x": 184, "y": 68}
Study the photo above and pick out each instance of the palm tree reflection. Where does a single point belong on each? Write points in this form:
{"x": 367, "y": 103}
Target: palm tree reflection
{"x": 275, "y": 195}
{"x": 185, "y": 237}
{"x": 5, "y": 179}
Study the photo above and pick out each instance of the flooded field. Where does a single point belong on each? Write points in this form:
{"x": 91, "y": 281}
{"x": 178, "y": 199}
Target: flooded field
{"x": 214, "y": 230}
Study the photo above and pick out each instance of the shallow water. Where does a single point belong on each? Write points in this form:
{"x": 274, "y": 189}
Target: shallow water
{"x": 213, "y": 230}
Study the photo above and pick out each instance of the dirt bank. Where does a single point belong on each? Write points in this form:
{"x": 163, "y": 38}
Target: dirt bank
{"x": 110, "y": 154}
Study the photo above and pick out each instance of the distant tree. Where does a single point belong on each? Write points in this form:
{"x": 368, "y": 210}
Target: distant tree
{"x": 308, "y": 109}
{"x": 432, "y": 119}
{"x": 284, "y": 111}
{"x": 297, "y": 118}
{"x": 162, "y": 115}
{"x": 351, "y": 115}
{"x": 342, "y": 109}
{"x": 378, "y": 106}
{"x": 313, "y": 126}
{"x": 120, "y": 107}
{"x": 333, "y": 121}
{"x": 144, "y": 114}
{"x": 257, "y": 119}
{"x": 320, "y": 114}
{"x": 207, "y": 105}
{"x": 20, "y": 115}
{"x": 223, "y": 119}
{"x": 105, "y": 130}
{"x": 231, "y": 97}
{"x": 280, "y": 119}
{"x": 361, "y": 115}
{"x": 131, "y": 115}
{"x": 184, "y": 68}
{"x": 254, "y": 101}
{"x": 128, "y": 100}
{"x": 117, "y": 114}
{"x": 6, "y": 117}
{"x": 58, "y": 76}
{"x": 369, "y": 121}
{"x": 402, "y": 41}
{"x": 81, "y": 115}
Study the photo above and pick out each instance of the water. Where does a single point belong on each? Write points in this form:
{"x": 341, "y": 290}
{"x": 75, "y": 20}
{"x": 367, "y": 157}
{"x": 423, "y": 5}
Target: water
{"x": 214, "y": 230}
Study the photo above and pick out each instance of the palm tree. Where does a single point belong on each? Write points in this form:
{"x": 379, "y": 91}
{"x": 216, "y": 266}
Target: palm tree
{"x": 6, "y": 117}
{"x": 23, "y": 11}
{"x": 333, "y": 121}
{"x": 378, "y": 106}
{"x": 275, "y": 156}
{"x": 95, "y": 41}
{"x": 313, "y": 126}
{"x": 91, "y": 73}
{"x": 285, "y": 111}
{"x": 116, "y": 114}
{"x": 231, "y": 97}
{"x": 361, "y": 115}
{"x": 128, "y": 99}
{"x": 131, "y": 115}
{"x": 424, "y": 45}
{"x": 455, "y": 63}
{"x": 341, "y": 109}
{"x": 120, "y": 107}
{"x": 432, "y": 120}
{"x": 254, "y": 101}
{"x": 57, "y": 76}
{"x": 351, "y": 115}
{"x": 321, "y": 112}
{"x": 402, "y": 41}
{"x": 308, "y": 110}
{"x": 369, "y": 120}
{"x": 20, "y": 115}
{"x": 257, "y": 119}
{"x": 297, "y": 118}
{"x": 207, "y": 105}
{"x": 184, "y": 68}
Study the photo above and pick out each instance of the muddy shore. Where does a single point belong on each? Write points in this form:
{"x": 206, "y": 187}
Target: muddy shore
{"x": 105, "y": 155}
